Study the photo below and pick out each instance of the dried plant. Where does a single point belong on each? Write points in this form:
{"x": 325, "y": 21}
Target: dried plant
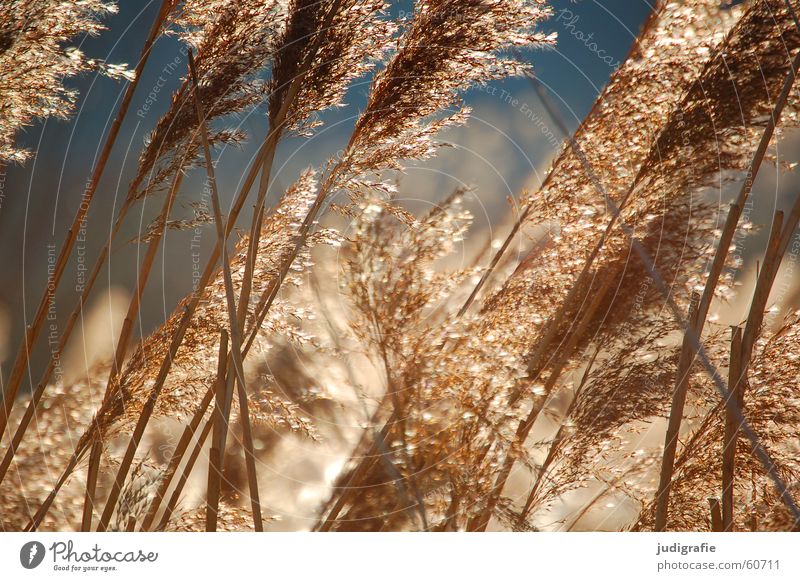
{"x": 35, "y": 60}
{"x": 451, "y": 403}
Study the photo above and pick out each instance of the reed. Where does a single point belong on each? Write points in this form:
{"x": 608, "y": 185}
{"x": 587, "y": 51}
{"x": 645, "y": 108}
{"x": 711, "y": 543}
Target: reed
{"x": 486, "y": 395}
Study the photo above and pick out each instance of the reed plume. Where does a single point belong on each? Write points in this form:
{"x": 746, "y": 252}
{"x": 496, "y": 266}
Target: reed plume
{"x": 35, "y": 58}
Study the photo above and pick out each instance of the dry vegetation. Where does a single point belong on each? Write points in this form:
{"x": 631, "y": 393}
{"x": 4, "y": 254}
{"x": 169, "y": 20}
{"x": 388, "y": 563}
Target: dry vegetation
{"x": 502, "y": 394}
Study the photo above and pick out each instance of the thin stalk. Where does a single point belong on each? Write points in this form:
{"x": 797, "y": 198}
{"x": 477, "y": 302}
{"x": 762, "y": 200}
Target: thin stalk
{"x": 236, "y": 337}
{"x": 214, "y": 484}
{"x": 187, "y": 470}
{"x": 217, "y": 440}
{"x": 250, "y": 458}
{"x": 32, "y": 334}
{"x": 555, "y": 445}
{"x": 717, "y": 264}
{"x": 736, "y": 383}
{"x": 91, "y": 483}
{"x": 177, "y": 458}
{"x": 678, "y": 402}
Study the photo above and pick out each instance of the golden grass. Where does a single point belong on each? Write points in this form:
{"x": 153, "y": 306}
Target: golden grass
{"x": 495, "y": 396}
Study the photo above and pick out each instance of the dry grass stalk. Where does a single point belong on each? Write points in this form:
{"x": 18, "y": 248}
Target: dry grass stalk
{"x": 175, "y": 460}
{"x": 230, "y": 299}
{"x": 91, "y": 485}
{"x": 713, "y": 278}
{"x": 221, "y": 409}
{"x": 61, "y": 99}
{"x": 736, "y": 382}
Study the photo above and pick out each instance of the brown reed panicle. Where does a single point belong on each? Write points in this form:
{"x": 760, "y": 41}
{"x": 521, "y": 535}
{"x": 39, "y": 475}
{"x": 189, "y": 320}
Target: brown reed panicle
{"x": 35, "y": 58}
{"x": 448, "y": 399}
{"x": 618, "y": 400}
{"x": 670, "y": 52}
{"x": 447, "y": 47}
{"x": 352, "y": 37}
{"x": 705, "y": 127}
{"x": 233, "y": 41}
